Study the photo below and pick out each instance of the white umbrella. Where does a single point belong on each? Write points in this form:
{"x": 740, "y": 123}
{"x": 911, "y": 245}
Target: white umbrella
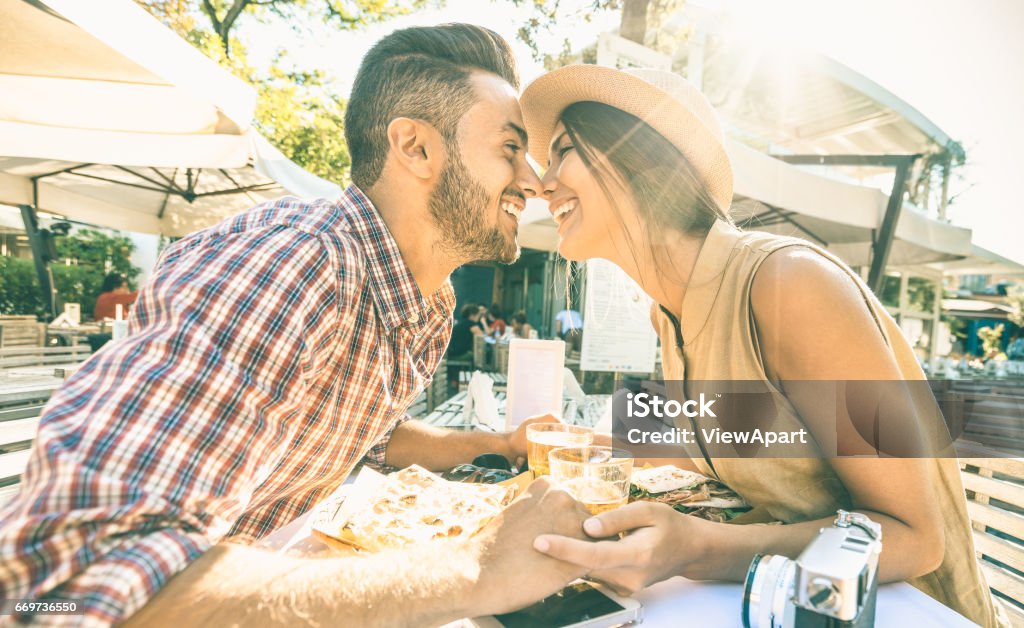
{"x": 168, "y": 200}
{"x": 108, "y": 117}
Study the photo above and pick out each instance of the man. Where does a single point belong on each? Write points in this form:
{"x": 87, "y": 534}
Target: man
{"x": 567, "y": 321}
{"x": 270, "y": 354}
{"x": 569, "y": 327}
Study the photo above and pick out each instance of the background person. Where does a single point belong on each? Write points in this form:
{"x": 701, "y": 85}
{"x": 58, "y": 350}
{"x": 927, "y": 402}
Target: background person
{"x": 521, "y": 328}
{"x": 496, "y": 319}
{"x": 113, "y": 292}
{"x": 463, "y": 332}
{"x": 569, "y": 327}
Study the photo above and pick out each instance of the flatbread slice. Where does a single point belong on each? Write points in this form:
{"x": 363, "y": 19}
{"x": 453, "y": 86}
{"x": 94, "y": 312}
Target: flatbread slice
{"x": 410, "y": 507}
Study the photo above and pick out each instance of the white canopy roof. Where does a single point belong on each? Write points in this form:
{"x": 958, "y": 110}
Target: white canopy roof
{"x": 133, "y": 127}
{"x": 799, "y": 101}
{"x": 981, "y": 261}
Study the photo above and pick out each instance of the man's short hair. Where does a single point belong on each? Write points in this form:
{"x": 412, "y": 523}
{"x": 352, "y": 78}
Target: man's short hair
{"x": 420, "y": 73}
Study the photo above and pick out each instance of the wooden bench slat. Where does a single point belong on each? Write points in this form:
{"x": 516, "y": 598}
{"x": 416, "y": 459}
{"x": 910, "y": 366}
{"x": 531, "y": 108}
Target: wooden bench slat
{"x": 18, "y": 431}
{"x": 1002, "y": 520}
{"x": 11, "y": 363}
{"x": 18, "y": 351}
{"x": 1002, "y": 550}
{"x": 7, "y": 493}
{"x": 1016, "y": 614}
{"x": 1013, "y": 467}
{"x": 1010, "y": 585}
{"x": 12, "y": 465}
{"x": 1010, "y": 466}
{"x": 22, "y": 412}
{"x": 998, "y": 489}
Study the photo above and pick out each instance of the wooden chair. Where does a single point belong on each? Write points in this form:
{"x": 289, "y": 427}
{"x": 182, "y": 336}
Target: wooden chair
{"x": 19, "y": 420}
{"x": 995, "y": 503}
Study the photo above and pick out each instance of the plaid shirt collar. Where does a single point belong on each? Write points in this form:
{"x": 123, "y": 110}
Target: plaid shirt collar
{"x": 395, "y": 291}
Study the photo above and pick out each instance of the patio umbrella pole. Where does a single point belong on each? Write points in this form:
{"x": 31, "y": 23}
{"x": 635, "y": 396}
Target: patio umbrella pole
{"x": 882, "y": 243}
{"x": 39, "y": 240}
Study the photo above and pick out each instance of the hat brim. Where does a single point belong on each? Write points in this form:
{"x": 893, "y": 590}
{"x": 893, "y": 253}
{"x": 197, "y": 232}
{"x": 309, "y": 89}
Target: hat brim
{"x": 546, "y": 98}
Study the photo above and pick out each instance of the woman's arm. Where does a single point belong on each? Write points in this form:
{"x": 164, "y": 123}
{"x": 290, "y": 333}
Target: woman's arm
{"x": 812, "y": 324}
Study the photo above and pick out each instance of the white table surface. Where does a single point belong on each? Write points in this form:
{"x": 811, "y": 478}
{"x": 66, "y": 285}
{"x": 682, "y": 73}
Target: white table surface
{"x": 678, "y": 601}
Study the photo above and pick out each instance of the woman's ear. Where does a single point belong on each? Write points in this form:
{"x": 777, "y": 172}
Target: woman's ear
{"x": 416, "y": 146}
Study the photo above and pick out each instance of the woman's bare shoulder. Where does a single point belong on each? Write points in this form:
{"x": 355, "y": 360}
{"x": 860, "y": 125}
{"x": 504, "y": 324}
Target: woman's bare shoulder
{"x": 813, "y": 320}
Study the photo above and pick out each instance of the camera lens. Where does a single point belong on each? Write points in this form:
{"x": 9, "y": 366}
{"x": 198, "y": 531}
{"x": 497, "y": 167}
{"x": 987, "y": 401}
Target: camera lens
{"x": 768, "y": 591}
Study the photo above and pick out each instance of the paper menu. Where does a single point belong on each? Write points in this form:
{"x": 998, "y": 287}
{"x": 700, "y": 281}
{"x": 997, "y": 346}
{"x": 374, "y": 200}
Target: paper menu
{"x": 618, "y": 336}
{"x": 535, "y": 371}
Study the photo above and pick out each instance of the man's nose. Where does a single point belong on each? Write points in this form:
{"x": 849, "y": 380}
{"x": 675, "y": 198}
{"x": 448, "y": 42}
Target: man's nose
{"x": 528, "y": 182}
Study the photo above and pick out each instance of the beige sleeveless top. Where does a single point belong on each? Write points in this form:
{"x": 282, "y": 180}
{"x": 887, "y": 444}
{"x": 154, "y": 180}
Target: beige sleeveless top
{"x": 719, "y": 343}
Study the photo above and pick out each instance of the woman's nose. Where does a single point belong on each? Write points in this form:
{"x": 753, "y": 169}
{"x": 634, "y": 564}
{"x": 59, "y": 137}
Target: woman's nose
{"x": 549, "y": 183}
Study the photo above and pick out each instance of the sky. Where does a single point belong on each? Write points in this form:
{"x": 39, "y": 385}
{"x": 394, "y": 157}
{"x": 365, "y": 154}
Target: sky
{"x": 958, "y": 62}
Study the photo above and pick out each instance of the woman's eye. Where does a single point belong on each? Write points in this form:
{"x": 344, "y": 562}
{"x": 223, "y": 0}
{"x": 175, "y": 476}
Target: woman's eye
{"x": 565, "y": 149}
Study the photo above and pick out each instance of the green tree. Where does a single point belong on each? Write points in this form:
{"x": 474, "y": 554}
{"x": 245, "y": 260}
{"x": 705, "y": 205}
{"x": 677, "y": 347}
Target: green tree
{"x": 639, "y": 21}
{"x": 990, "y": 341}
{"x": 19, "y": 288}
{"x": 221, "y": 17}
{"x": 296, "y": 109}
{"x": 85, "y": 258}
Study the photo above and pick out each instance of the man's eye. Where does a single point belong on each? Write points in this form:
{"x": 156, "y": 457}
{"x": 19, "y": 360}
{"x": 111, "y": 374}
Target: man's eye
{"x": 512, "y": 146}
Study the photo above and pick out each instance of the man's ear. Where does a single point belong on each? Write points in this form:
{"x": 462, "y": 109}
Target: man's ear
{"x": 416, "y": 146}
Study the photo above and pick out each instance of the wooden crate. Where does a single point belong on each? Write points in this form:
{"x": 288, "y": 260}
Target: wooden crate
{"x": 995, "y": 503}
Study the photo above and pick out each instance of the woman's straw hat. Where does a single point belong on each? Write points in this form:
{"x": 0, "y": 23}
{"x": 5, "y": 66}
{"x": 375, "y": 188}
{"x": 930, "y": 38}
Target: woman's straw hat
{"x": 665, "y": 101}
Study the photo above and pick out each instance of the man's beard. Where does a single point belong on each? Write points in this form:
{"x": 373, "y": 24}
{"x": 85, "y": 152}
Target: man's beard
{"x": 458, "y": 205}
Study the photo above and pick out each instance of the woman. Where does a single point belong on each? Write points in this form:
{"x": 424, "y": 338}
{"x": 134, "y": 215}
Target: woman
{"x": 521, "y": 328}
{"x": 637, "y": 174}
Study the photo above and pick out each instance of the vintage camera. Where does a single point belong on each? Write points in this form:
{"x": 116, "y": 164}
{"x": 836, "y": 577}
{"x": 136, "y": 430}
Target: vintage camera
{"x": 833, "y": 583}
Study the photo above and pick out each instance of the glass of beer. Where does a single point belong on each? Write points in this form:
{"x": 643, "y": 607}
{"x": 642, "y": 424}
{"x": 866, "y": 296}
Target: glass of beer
{"x": 598, "y": 477}
{"x": 541, "y": 438}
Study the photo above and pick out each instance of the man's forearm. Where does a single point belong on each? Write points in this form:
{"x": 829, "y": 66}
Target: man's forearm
{"x": 413, "y": 442}
{"x": 241, "y": 585}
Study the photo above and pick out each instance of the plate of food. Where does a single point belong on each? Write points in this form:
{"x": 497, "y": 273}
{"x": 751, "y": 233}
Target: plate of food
{"x": 687, "y": 492}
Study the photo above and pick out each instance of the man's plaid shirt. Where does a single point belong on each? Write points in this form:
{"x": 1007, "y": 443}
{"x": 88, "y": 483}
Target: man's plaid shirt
{"x": 266, "y": 357}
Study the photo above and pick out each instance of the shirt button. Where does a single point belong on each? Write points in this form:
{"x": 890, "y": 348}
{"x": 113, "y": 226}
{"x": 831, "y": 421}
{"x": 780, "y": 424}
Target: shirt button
{"x": 414, "y": 317}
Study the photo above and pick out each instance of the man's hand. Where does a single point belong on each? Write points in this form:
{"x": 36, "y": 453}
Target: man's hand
{"x": 512, "y": 573}
{"x": 661, "y": 543}
{"x": 516, "y": 440}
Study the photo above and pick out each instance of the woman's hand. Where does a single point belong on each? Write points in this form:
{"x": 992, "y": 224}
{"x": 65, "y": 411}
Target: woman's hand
{"x": 661, "y": 543}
